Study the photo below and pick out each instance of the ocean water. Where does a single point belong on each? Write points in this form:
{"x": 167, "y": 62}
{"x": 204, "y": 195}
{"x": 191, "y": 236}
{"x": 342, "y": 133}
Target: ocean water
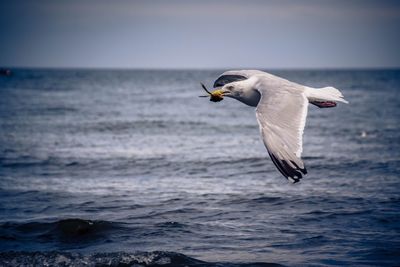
{"x": 124, "y": 167}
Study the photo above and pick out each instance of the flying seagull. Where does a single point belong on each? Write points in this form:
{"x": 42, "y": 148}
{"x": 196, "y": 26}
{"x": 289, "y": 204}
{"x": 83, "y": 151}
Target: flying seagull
{"x": 281, "y": 111}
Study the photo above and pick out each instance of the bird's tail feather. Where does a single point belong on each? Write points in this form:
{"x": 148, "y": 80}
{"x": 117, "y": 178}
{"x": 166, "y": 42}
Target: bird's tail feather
{"x": 324, "y": 97}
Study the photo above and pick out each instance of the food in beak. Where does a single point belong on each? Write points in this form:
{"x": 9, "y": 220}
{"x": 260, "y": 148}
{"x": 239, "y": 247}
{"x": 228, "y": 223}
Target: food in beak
{"x": 215, "y": 96}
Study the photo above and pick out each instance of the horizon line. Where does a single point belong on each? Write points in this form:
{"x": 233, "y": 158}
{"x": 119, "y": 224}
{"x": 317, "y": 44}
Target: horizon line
{"x": 202, "y": 69}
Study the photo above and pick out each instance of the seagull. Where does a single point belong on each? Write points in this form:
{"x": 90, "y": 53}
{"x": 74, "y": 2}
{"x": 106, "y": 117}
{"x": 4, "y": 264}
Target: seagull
{"x": 281, "y": 111}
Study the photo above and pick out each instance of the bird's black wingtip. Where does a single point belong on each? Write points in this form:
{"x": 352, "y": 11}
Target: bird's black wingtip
{"x": 292, "y": 174}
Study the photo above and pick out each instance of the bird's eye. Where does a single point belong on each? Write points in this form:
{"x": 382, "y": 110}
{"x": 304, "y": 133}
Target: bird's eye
{"x": 230, "y": 87}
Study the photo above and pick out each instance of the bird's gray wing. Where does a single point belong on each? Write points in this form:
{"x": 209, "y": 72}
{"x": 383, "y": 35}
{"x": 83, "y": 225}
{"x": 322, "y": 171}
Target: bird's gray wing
{"x": 235, "y": 75}
{"x": 281, "y": 114}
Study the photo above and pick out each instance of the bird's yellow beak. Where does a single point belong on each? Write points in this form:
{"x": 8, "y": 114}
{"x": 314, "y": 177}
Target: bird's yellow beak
{"x": 215, "y": 96}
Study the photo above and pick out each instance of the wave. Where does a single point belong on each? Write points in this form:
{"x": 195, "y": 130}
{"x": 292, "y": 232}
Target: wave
{"x": 66, "y": 230}
{"x": 115, "y": 259}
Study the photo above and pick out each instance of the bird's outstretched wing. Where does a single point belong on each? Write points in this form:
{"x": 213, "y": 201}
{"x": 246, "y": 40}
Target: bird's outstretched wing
{"x": 281, "y": 114}
{"x": 234, "y": 76}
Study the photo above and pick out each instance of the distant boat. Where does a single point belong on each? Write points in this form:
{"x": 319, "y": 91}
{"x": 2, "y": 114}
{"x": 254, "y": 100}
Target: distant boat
{"x": 5, "y": 72}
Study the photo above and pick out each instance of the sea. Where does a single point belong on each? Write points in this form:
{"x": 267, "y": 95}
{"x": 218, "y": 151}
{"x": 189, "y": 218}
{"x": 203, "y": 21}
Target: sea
{"x": 131, "y": 168}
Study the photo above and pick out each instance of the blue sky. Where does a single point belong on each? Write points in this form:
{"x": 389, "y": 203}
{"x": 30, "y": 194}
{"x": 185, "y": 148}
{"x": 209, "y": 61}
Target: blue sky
{"x": 200, "y": 34}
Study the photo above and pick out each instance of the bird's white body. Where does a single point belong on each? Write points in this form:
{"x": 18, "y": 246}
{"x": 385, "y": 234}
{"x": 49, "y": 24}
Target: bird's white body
{"x": 281, "y": 110}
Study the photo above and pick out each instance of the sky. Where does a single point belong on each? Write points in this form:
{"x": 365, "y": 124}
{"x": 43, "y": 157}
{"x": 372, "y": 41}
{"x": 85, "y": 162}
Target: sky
{"x": 200, "y": 34}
